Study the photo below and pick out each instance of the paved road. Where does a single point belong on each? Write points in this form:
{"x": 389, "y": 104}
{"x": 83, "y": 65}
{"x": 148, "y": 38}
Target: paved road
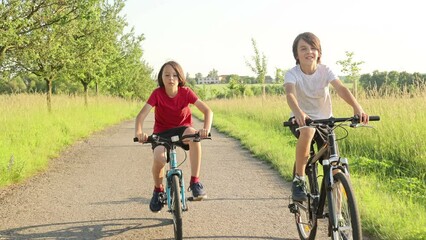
{"x": 100, "y": 189}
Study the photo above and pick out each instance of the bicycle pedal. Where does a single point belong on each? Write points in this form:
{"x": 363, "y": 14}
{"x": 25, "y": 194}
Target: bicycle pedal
{"x": 293, "y": 208}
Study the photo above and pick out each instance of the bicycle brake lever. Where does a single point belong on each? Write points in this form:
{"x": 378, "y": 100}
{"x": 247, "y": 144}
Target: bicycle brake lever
{"x": 360, "y": 125}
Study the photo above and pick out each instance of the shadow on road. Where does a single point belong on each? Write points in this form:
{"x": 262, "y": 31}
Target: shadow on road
{"x": 82, "y": 229}
{"x": 231, "y": 237}
{"x": 243, "y": 199}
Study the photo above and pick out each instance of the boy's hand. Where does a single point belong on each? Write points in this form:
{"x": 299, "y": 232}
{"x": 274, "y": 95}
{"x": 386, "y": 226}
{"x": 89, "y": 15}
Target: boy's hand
{"x": 142, "y": 137}
{"x": 204, "y": 133}
{"x": 363, "y": 117}
{"x": 301, "y": 119}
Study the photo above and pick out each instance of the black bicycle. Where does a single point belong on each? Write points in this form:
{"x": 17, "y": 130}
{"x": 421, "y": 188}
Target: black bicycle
{"x": 334, "y": 198}
{"x": 175, "y": 198}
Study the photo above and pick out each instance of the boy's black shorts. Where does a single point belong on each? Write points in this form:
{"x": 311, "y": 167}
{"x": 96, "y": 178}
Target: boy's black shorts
{"x": 178, "y": 131}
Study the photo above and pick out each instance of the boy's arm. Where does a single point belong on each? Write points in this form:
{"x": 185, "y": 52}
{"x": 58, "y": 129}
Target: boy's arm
{"x": 347, "y": 96}
{"x": 140, "y": 118}
{"x": 208, "y": 117}
{"x": 299, "y": 115}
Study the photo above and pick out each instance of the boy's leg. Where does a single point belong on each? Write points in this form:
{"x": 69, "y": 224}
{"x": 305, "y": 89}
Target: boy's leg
{"x": 196, "y": 187}
{"x": 194, "y": 154}
{"x": 303, "y": 148}
{"x": 158, "y": 166}
{"x": 156, "y": 203}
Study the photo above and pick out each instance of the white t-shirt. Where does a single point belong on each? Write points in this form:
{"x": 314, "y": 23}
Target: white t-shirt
{"x": 312, "y": 91}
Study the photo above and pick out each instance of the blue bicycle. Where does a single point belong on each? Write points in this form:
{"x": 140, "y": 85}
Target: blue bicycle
{"x": 175, "y": 187}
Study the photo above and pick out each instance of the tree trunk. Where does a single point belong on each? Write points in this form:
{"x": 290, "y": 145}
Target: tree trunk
{"x": 86, "y": 94}
{"x": 49, "y": 94}
{"x": 355, "y": 91}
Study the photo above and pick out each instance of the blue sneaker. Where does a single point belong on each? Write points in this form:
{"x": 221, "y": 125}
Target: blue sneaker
{"x": 298, "y": 190}
{"x": 156, "y": 203}
{"x": 198, "y": 192}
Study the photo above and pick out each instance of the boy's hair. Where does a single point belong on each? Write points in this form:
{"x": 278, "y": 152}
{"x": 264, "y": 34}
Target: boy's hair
{"x": 312, "y": 40}
{"x": 179, "y": 72}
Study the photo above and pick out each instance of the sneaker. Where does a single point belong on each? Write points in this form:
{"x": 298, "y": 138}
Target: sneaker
{"x": 156, "y": 203}
{"x": 298, "y": 190}
{"x": 198, "y": 192}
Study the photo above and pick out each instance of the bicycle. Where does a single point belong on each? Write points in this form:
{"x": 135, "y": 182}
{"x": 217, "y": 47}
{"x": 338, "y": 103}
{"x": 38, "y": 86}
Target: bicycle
{"x": 334, "y": 198}
{"x": 175, "y": 185}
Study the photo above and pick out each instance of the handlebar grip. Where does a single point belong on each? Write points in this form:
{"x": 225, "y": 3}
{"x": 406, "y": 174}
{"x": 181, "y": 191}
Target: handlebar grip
{"x": 150, "y": 139}
{"x": 374, "y": 118}
{"x": 288, "y": 124}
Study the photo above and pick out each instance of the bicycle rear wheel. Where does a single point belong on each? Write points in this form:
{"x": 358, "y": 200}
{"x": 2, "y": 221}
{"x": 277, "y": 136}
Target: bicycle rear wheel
{"x": 305, "y": 218}
{"x": 176, "y": 205}
{"x": 345, "y": 212}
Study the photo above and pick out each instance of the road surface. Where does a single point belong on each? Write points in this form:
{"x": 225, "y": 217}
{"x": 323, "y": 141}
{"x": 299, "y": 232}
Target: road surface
{"x": 100, "y": 188}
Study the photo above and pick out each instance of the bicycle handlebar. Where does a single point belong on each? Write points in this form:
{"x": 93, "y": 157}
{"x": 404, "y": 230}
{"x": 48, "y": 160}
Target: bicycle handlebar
{"x": 156, "y": 139}
{"x": 330, "y": 121}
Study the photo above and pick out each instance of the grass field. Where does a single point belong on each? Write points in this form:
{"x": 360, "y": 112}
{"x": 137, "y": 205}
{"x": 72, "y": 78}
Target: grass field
{"x": 388, "y": 162}
{"x": 31, "y": 135}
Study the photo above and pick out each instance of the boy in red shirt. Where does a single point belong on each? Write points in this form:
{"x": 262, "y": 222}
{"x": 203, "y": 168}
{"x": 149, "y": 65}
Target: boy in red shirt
{"x": 173, "y": 117}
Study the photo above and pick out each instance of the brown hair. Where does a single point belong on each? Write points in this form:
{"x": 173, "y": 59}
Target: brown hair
{"x": 179, "y": 72}
{"x": 312, "y": 40}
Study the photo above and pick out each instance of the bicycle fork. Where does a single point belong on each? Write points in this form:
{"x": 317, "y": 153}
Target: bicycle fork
{"x": 333, "y": 192}
{"x": 169, "y": 175}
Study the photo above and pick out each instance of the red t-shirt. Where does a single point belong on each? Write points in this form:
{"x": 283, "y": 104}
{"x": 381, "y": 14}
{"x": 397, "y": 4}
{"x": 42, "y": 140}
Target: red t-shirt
{"x": 172, "y": 112}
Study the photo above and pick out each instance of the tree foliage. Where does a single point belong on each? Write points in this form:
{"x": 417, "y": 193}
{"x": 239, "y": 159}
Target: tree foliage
{"x": 352, "y": 70}
{"x": 392, "y": 82}
{"x": 258, "y": 65}
{"x": 74, "y": 47}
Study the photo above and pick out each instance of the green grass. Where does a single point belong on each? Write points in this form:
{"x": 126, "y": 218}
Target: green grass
{"x": 387, "y": 161}
{"x": 31, "y": 136}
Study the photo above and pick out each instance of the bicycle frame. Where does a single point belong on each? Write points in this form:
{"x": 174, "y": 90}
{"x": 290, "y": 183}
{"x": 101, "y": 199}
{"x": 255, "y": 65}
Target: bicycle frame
{"x": 174, "y": 170}
{"x": 334, "y": 162}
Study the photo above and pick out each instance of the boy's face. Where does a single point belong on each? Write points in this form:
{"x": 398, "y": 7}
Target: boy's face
{"x": 170, "y": 77}
{"x": 306, "y": 53}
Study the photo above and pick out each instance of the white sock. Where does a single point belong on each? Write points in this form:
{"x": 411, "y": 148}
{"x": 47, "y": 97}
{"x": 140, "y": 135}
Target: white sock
{"x": 298, "y": 178}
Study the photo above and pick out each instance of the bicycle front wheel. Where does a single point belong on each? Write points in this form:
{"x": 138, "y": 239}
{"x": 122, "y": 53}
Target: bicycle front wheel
{"x": 176, "y": 205}
{"x": 345, "y": 220}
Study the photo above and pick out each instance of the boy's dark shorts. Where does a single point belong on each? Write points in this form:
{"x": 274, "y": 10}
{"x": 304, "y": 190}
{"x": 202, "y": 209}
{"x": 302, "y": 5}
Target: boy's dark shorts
{"x": 178, "y": 131}
{"x": 318, "y": 139}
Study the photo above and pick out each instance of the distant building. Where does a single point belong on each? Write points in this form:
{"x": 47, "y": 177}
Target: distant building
{"x": 209, "y": 80}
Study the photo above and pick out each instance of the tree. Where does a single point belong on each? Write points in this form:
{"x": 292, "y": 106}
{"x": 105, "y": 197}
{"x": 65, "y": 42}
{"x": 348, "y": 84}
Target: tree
{"x": 258, "y": 66}
{"x": 279, "y": 75}
{"x": 36, "y": 36}
{"x": 198, "y": 77}
{"x": 351, "y": 69}
{"x": 213, "y": 74}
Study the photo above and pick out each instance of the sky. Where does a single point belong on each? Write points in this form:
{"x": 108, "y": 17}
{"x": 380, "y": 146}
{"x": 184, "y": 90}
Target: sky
{"x": 387, "y": 35}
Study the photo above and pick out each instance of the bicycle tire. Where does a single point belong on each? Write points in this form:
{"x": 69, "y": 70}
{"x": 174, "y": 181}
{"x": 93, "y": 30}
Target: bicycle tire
{"x": 305, "y": 218}
{"x": 344, "y": 209}
{"x": 176, "y": 207}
